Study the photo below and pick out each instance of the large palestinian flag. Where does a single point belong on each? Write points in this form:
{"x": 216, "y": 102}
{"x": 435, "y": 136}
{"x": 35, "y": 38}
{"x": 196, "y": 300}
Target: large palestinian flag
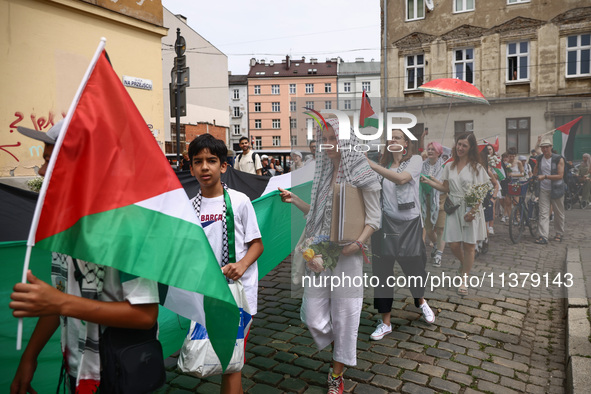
{"x": 111, "y": 197}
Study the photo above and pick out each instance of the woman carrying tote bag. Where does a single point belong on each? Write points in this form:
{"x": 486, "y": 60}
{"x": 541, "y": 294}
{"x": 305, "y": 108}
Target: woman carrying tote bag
{"x": 401, "y": 237}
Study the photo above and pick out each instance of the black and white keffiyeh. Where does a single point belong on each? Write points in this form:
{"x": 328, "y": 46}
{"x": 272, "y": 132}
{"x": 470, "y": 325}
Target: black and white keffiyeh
{"x": 225, "y": 240}
{"x": 353, "y": 169}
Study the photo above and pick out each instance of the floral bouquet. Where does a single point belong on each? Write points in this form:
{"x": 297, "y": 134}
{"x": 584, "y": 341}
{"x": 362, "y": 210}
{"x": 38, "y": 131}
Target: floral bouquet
{"x": 493, "y": 161}
{"x": 319, "y": 253}
{"x": 35, "y": 183}
{"x": 477, "y": 193}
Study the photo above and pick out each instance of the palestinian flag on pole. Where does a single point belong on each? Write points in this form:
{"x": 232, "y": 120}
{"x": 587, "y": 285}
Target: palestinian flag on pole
{"x": 367, "y": 116}
{"x": 565, "y": 141}
{"x": 111, "y": 197}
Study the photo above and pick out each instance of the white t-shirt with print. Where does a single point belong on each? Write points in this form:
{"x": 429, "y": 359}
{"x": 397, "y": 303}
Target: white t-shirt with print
{"x": 246, "y": 229}
{"x": 414, "y": 167}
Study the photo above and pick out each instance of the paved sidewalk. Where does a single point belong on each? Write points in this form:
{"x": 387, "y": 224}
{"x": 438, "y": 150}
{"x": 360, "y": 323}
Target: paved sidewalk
{"x": 496, "y": 340}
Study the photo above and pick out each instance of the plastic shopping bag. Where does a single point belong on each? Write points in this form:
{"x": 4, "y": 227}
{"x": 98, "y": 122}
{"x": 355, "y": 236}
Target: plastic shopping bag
{"x": 197, "y": 357}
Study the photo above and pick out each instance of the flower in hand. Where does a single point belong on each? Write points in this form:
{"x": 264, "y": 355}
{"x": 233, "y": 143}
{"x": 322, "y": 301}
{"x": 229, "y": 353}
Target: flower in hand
{"x": 316, "y": 264}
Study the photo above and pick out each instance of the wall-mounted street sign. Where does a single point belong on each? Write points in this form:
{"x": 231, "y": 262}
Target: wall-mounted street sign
{"x": 138, "y": 83}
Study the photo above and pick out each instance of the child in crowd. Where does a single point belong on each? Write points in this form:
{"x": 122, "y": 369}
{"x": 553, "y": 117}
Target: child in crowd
{"x": 215, "y": 204}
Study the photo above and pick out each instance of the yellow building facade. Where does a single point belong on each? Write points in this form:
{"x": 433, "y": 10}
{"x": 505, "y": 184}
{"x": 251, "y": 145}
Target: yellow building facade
{"x": 47, "y": 46}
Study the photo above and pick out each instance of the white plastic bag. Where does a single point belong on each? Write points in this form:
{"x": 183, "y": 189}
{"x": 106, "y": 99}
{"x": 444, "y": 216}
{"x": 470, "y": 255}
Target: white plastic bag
{"x": 197, "y": 357}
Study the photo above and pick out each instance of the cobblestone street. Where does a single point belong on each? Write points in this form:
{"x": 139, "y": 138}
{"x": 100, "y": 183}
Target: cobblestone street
{"x": 495, "y": 340}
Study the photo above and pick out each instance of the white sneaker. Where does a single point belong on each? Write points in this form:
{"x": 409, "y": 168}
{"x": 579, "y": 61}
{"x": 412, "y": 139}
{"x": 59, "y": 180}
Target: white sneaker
{"x": 381, "y": 331}
{"x": 491, "y": 231}
{"x": 428, "y": 314}
{"x": 437, "y": 260}
{"x": 504, "y": 219}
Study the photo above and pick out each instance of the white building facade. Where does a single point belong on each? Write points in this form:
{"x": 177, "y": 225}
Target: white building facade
{"x": 238, "y": 108}
{"x": 352, "y": 79}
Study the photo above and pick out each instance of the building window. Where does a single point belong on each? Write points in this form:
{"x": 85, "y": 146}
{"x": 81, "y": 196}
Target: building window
{"x": 276, "y": 123}
{"x": 258, "y": 143}
{"x": 463, "y": 126}
{"x": 236, "y": 112}
{"x": 293, "y": 123}
{"x": 294, "y": 140}
{"x": 276, "y": 140}
{"x": 517, "y": 1}
{"x": 274, "y": 89}
{"x": 309, "y": 123}
{"x": 328, "y": 88}
{"x": 310, "y": 104}
{"x": 257, "y": 124}
{"x": 414, "y": 71}
{"x": 366, "y": 86}
{"x": 346, "y": 86}
{"x": 275, "y": 107}
{"x": 236, "y": 94}
{"x": 236, "y": 128}
{"x": 518, "y": 134}
{"x": 415, "y": 9}
{"x": 292, "y": 106}
{"x": 328, "y": 105}
{"x": 518, "y": 61}
{"x": 578, "y": 59}
{"x": 464, "y": 64}
{"x": 347, "y": 104}
{"x": 309, "y": 88}
{"x": 257, "y": 107}
{"x": 463, "y": 5}
{"x": 292, "y": 88}
{"x": 257, "y": 89}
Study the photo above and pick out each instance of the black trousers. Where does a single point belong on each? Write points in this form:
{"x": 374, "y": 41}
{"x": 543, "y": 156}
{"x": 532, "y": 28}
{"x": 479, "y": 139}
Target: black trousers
{"x": 383, "y": 267}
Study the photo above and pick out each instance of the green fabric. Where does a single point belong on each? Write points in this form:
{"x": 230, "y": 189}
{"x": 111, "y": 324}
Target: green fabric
{"x": 144, "y": 255}
{"x": 281, "y": 226}
{"x": 12, "y": 256}
{"x": 230, "y": 228}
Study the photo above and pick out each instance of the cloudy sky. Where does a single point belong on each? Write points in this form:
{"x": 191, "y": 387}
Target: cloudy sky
{"x": 271, "y": 29}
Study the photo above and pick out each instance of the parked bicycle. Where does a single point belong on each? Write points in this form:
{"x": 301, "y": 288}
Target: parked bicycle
{"x": 574, "y": 192}
{"x": 526, "y": 212}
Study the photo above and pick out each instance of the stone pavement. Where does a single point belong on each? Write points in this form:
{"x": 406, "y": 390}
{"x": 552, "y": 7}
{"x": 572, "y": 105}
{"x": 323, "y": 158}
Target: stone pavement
{"x": 496, "y": 340}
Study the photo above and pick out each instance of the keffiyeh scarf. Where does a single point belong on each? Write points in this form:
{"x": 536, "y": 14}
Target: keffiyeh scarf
{"x": 353, "y": 169}
{"x": 88, "y": 283}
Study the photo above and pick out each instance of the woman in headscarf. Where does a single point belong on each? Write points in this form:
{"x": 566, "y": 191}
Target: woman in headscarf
{"x": 432, "y": 201}
{"x": 332, "y": 314}
{"x": 402, "y": 238}
{"x": 585, "y": 176}
{"x": 465, "y": 226}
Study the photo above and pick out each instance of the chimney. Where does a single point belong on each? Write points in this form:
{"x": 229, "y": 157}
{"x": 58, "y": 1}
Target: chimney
{"x": 303, "y": 59}
{"x": 271, "y": 62}
{"x": 262, "y": 61}
{"x": 182, "y": 18}
{"x": 288, "y": 62}
{"x": 253, "y": 62}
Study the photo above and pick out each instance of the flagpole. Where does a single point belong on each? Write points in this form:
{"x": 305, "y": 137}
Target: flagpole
{"x": 51, "y": 165}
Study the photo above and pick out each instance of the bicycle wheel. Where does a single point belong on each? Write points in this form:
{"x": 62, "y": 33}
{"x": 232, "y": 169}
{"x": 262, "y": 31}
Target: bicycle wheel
{"x": 584, "y": 204}
{"x": 533, "y": 219}
{"x": 516, "y": 224}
